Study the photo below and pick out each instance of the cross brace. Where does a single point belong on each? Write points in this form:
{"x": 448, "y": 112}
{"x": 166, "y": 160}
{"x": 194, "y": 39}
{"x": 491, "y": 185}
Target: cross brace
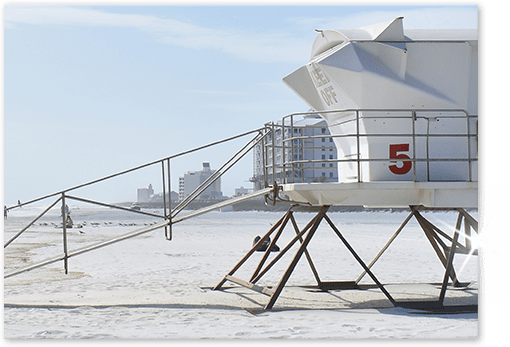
{"x": 305, "y": 235}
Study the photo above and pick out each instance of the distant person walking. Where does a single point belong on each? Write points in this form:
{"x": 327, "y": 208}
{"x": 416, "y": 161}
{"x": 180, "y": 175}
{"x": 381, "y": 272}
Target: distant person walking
{"x": 66, "y": 210}
{"x": 5, "y": 212}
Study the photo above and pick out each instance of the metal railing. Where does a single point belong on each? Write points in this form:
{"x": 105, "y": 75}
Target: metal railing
{"x": 276, "y": 144}
{"x": 280, "y": 164}
{"x": 169, "y": 215}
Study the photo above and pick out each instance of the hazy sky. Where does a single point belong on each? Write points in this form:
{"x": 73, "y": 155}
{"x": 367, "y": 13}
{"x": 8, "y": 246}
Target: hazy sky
{"x": 93, "y": 90}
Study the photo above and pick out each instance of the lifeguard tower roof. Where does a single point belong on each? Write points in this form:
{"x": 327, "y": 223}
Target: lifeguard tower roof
{"x": 402, "y": 110}
{"x": 381, "y": 66}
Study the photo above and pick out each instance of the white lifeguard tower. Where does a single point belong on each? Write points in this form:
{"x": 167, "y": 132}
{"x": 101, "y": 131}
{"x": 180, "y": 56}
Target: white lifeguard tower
{"x": 401, "y": 108}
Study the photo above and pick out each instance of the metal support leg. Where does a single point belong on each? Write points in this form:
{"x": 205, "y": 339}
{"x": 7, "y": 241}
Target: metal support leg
{"x": 436, "y": 232}
{"x": 307, "y": 254}
{"x": 272, "y": 243}
{"x": 449, "y": 266}
{"x": 467, "y": 236}
{"x": 284, "y": 250}
{"x": 360, "y": 261}
{"x": 298, "y": 255}
{"x": 252, "y": 250}
{"x": 385, "y": 247}
{"x": 468, "y": 218}
{"x": 429, "y": 234}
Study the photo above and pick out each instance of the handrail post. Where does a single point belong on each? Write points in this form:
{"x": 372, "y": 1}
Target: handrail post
{"x": 282, "y": 154}
{"x": 64, "y": 231}
{"x": 292, "y": 147}
{"x": 284, "y": 167}
{"x": 358, "y": 146}
{"x": 427, "y": 148}
{"x": 164, "y": 194}
{"x": 469, "y": 147}
{"x": 413, "y": 120}
{"x": 168, "y": 234}
{"x": 273, "y": 154}
{"x": 264, "y": 157}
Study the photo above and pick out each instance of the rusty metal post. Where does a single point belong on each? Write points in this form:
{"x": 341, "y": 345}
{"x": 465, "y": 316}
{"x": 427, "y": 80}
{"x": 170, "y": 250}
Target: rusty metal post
{"x": 252, "y": 250}
{"x": 468, "y": 218}
{"x": 64, "y": 231}
{"x": 467, "y": 236}
{"x": 307, "y": 254}
{"x": 436, "y": 232}
{"x": 385, "y": 246}
{"x": 360, "y": 261}
{"x": 449, "y": 266}
{"x": 431, "y": 236}
{"x": 271, "y": 244}
{"x": 284, "y": 250}
{"x": 297, "y": 257}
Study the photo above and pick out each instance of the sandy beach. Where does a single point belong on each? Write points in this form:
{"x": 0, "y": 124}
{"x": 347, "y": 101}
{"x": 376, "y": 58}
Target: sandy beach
{"x": 151, "y": 288}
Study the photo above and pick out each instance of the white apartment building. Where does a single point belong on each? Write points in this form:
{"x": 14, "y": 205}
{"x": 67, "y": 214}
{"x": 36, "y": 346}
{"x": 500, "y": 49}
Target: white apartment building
{"x": 316, "y": 148}
{"x": 192, "y": 179}
{"x": 144, "y": 194}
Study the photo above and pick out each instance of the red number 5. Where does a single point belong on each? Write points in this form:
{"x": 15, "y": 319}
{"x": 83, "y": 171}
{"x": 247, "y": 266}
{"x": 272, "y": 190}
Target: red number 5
{"x": 407, "y": 164}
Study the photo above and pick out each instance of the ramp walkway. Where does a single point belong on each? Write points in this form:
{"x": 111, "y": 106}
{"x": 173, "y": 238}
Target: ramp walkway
{"x": 171, "y": 214}
{"x": 229, "y": 202}
{"x": 142, "y": 231}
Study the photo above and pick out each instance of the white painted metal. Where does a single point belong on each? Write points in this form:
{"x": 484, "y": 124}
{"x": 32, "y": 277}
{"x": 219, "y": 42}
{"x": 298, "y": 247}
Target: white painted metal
{"x": 386, "y": 194}
{"x": 381, "y": 67}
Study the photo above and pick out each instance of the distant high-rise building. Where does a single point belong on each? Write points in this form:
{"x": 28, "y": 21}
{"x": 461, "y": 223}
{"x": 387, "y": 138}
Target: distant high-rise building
{"x": 144, "y": 194}
{"x": 308, "y": 146}
{"x": 192, "y": 179}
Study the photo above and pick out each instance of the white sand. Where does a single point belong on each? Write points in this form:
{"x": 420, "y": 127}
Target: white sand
{"x": 151, "y": 288}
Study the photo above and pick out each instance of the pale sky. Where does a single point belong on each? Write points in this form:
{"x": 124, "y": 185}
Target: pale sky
{"x": 93, "y": 90}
